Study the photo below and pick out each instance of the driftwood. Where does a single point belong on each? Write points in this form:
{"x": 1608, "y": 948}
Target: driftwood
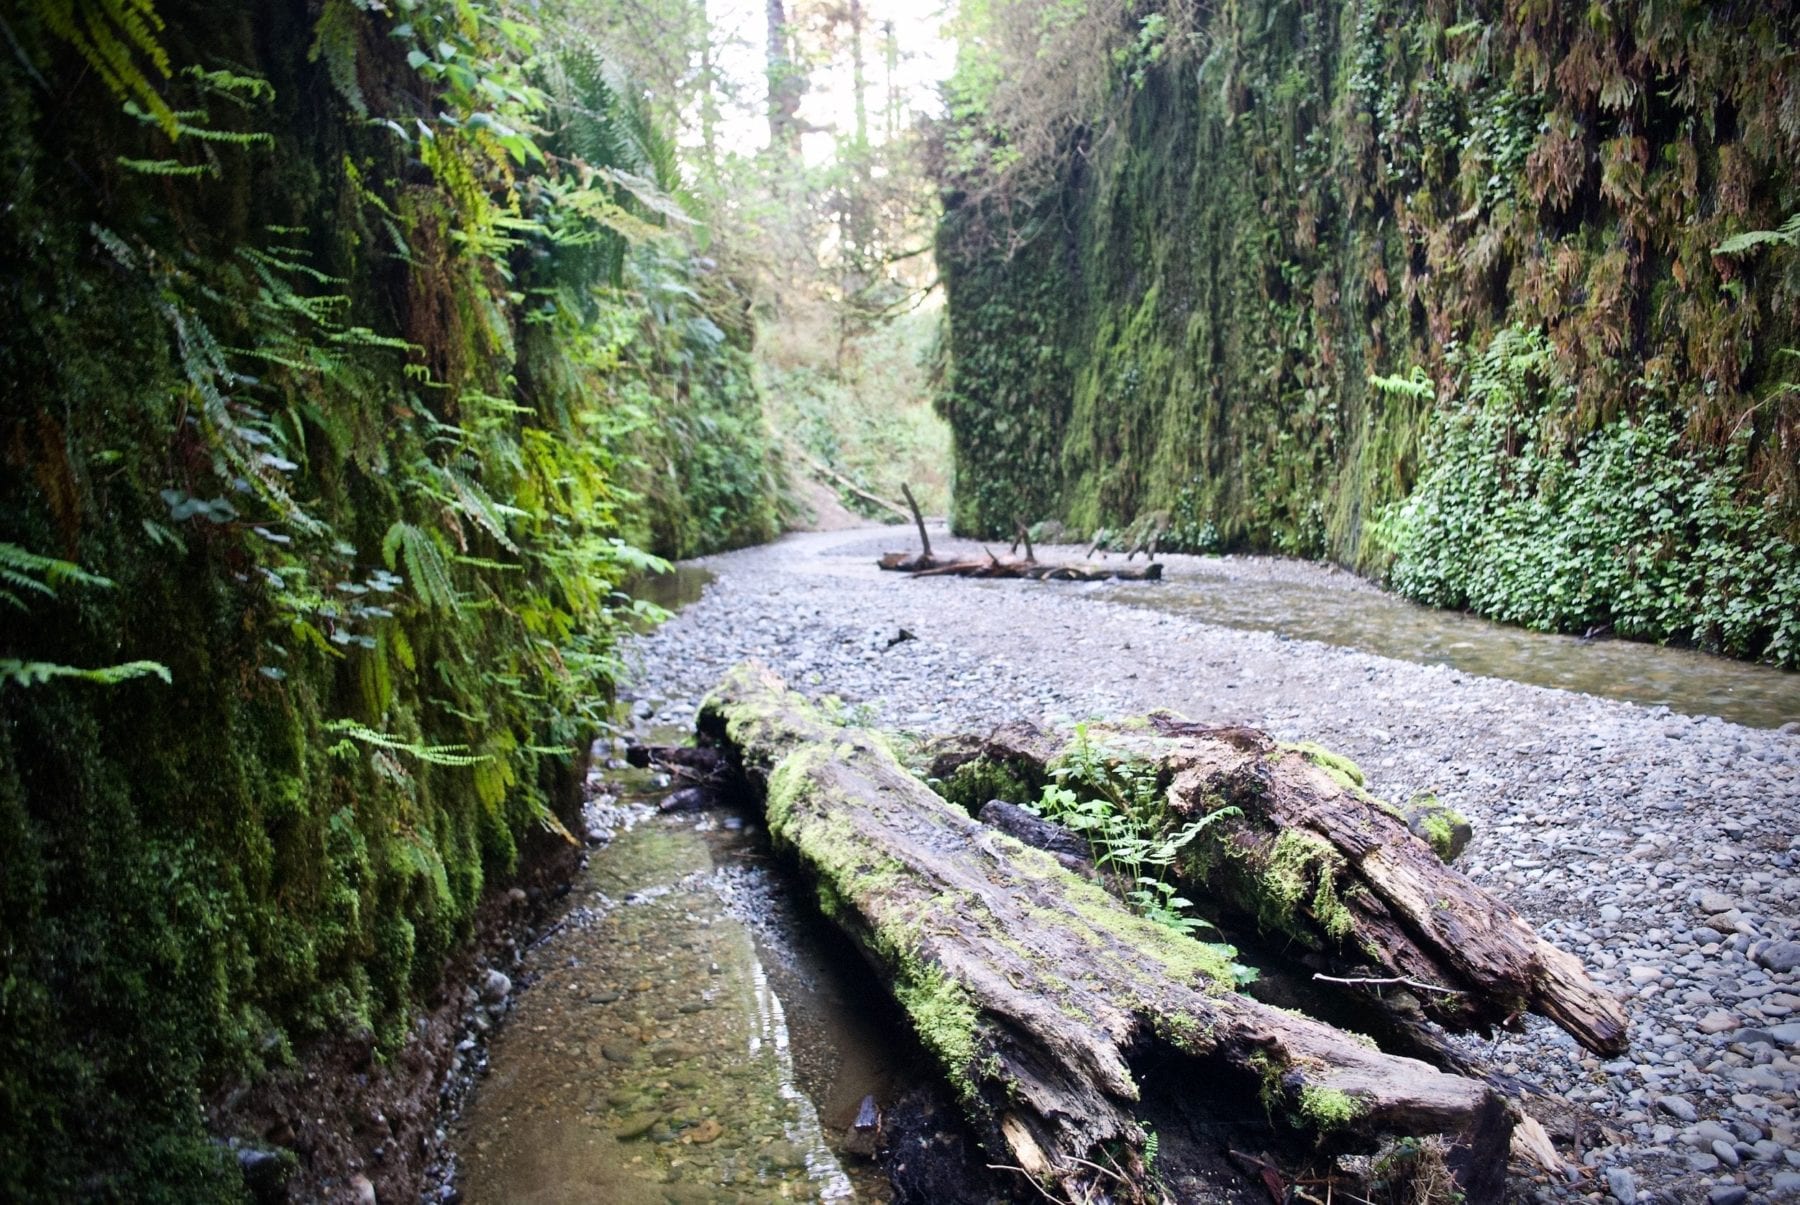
{"x": 990, "y": 565}
{"x": 704, "y": 775}
{"x": 924, "y": 564}
{"x": 918, "y": 520}
{"x": 826, "y": 470}
{"x": 1066, "y": 1022}
{"x": 1022, "y": 535}
{"x": 1312, "y": 857}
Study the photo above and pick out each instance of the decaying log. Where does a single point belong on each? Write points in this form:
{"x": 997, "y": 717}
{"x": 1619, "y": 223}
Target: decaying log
{"x": 859, "y": 491}
{"x": 1048, "y": 1005}
{"x": 993, "y": 566}
{"x": 1314, "y": 857}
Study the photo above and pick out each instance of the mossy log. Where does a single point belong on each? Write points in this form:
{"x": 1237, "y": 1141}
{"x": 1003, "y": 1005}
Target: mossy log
{"x": 1312, "y": 856}
{"x": 926, "y": 565}
{"x": 1042, "y": 997}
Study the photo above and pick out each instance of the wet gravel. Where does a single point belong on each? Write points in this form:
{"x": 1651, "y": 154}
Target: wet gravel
{"x": 1659, "y": 847}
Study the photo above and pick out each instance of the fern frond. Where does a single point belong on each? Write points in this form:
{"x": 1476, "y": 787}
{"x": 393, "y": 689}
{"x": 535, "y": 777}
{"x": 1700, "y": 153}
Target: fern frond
{"x": 1416, "y": 385}
{"x": 166, "y": 167}
{"x": 436, "y": 755}
{"x": 474, "y": 502}
{"x": 33, "y": 673}
{"x": 425, "y": 564}
{"x": 111, "y": 35}
{"x": 1787, "y": 234}
{"x": 25, "y": 570}
{"x": 240, "y": 89}
{"x": 335, "y": 40}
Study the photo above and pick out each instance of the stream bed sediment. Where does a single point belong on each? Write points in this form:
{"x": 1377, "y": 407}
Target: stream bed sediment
{"x": 686, "y": 1033}
{"x": 1659, "y": 847}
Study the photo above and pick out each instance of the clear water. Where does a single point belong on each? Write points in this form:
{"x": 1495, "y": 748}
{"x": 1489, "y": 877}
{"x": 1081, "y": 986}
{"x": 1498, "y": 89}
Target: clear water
{"x": 1352, "y": 614}
{"x": 673, "y": 590}
{"x": 669, "y": 1051}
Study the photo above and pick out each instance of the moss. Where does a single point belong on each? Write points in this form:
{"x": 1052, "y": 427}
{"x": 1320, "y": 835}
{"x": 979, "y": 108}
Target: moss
{"x": 975, "y": 782}
{"x": 1341, "y": 768}
{"x": 1438, "y": 834}
{"x": 944, "y": 1017}
{"x": 1216, "y": 311}
{"x": 1299, "y": 865}
{"x": 1326, "y": 1109}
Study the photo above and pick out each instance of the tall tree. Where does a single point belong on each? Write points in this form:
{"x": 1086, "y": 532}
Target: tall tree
{"x": 787, "y": 83}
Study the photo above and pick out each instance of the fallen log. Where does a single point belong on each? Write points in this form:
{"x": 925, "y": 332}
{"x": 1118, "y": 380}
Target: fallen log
{"x": 990, "y": 565}
{"x": 1312, "y": 856}
{"x": 1048, "y": 1005}
{"x": 826, "y": 470}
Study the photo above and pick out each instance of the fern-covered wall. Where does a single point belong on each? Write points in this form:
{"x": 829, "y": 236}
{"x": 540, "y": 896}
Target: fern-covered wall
{"x": 1284, "y": 266}
{"x": 346, "y": 352}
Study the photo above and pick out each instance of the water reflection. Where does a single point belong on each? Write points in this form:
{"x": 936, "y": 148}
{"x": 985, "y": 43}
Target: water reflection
{"x": 681, "y": 585}
{"x": 652, "y": 1060}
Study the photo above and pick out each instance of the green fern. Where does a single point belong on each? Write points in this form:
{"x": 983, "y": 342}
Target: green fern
{"x": 335, "y": 40}
{"x": 33, "y": 673}
{"x": 425, "y": 565}
{"x": 1416, "y": 385}
{"x": 1787, "y": 234}
{"x": 241, "y": 90}
{"x": 435, "y": 755}
{"x": 112, "y": 36}
{"x": 166, "y": 167}
{"x": 22, "y": 569}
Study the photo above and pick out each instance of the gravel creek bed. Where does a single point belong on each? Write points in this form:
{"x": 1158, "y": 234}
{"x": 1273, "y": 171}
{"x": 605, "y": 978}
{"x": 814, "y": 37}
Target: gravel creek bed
{"x": 1659, "y": 847}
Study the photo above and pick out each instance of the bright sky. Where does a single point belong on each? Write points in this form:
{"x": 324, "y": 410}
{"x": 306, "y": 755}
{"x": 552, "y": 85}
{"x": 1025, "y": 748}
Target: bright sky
{"x": 926, "y": 58}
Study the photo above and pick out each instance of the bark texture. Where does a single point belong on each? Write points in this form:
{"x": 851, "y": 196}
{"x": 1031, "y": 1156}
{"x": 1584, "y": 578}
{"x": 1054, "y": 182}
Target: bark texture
{"x": 1311, "y": 855}
{"x": 1042, "y": 997}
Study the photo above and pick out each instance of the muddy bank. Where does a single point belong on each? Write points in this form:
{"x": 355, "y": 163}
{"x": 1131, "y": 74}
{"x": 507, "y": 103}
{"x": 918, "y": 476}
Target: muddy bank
{"x": 350, "y": 1123}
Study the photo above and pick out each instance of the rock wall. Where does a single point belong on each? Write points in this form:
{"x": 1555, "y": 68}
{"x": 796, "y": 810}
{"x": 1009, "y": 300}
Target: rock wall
{"x": 1286, "y": 274}
{"x": 335, "y": 387}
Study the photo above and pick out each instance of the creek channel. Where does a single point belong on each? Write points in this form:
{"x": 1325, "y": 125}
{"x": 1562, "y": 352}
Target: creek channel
{"x": 687, "y": 1032}
{"x": 1306, "y": 602}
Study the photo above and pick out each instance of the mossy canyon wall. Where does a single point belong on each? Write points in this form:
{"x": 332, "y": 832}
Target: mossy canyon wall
{"x": 1467, "y": 295}
{"x": 348, "y": 361}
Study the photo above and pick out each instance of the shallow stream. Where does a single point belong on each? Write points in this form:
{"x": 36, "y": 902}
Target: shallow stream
{"x": 1347, "y": 612}
{"x": 688, "y": 1035}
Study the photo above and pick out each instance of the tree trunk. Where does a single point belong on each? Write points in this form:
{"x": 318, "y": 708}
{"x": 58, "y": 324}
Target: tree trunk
{"x": 926, "y": 565}
{"x": 1065, "y": 1022}
{"x": 1312, "y": 856}
{"x": 786, "y": 84}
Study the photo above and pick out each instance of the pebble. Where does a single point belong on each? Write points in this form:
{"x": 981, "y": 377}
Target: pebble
{"x": 635, "y": 1126}
{"x": 496, "y": 987}
{"x": 1677, "y": 1107}
{"x": 1781, "y": 956}
{"x": 1639, "y": 839}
